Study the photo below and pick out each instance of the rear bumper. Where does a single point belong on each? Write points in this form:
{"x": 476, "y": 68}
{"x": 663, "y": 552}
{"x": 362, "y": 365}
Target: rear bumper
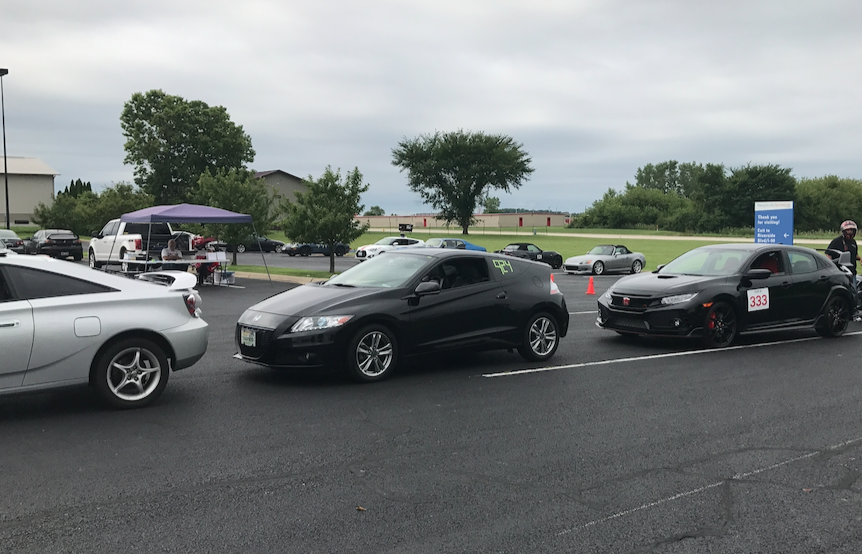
{"x": 189, "y": 342}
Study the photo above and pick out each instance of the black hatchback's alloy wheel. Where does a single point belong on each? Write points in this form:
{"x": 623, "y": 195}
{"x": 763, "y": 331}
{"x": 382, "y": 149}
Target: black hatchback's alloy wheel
{"x": 372, "y": 354}
{"x": 540, "y": 338}
{"x": 836, "y": 317}
{"x": 719, "y": 326}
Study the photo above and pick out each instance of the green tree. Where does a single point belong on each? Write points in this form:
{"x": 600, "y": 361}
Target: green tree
{"x": 325, "y": 213}
{"x": 86, "y": 212}
{"x": 172, "y": 142}
{"x": 237, "y": 190}
{"x": 453, "y": 171}
{"x": 491, "y": 205}
{"x": 823, "y": 203}
{"x": 375, "y": 210}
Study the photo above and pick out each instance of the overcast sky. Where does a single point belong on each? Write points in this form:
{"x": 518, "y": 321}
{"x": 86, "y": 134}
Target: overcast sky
{"x": 592, "y": 89}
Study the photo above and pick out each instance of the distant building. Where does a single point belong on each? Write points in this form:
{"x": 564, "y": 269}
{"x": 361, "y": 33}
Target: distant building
{"x": 488, "y": 221}
{"x": 282, "y": 182}
{"x": 30, "y": 181}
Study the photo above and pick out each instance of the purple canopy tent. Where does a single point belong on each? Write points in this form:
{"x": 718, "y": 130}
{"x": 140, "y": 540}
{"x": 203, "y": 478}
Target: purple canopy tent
{"x": 190, "y": 213}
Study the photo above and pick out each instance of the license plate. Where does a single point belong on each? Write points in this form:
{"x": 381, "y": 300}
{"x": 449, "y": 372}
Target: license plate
{"x": 248, "y": 337}
{"x": 64, "y": 253}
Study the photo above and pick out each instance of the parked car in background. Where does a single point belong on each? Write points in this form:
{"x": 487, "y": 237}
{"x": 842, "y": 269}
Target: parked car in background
{"x": 261, "y": 244}
{"x": 409, "y": 302}
{"x": 606, "y": 258}
{"x": 454, "y": 243}
{"x": 57, "y": 243}
{"x": 716, "y": 292}
{"x": 532, "y": 252}
{"x": 308, "y": 248}
{"x": 12, "y": 241}
{"x": 387, "y": 243}
{"x": 66, "y": 324}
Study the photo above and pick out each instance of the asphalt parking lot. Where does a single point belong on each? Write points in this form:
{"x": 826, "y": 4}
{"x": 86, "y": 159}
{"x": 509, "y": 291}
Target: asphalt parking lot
{"x": 618, "y": 445}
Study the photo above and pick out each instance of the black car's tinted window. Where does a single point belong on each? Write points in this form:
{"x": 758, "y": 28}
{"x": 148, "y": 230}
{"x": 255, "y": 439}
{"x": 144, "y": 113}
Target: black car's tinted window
{"x": 802, "y": 262}
{"x": 459, "y": 272}
{"x": 145, "y": 229}
{"x": 30, "y": 284}
{"x": 773, "y": 261}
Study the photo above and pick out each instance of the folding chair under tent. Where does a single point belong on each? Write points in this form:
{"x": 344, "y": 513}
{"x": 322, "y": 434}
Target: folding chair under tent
{"x": 191, "y": 213}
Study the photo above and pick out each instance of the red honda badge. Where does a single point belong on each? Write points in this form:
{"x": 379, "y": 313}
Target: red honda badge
{"x": 626, "y": 301}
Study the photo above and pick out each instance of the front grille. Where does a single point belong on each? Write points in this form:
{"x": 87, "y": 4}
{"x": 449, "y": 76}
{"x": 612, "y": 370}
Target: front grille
{"x": 635, "y": 303}
{"x": 627, "y": 322}
{"x": 263, "y": 339}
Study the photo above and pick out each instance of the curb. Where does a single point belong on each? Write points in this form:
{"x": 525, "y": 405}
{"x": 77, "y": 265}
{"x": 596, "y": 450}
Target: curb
{"x": 281, "y": 278}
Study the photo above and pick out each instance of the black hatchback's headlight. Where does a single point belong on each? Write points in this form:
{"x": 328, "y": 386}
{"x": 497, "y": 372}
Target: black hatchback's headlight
{"x": 677, "y": 298}
{"x": 319, "y": 322}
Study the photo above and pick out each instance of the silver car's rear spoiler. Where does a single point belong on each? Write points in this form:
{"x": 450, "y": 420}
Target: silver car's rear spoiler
{"x": 174, "y": 280}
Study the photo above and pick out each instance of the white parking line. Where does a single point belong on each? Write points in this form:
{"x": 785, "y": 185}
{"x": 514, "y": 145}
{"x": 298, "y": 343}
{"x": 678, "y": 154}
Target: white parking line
{"x": 651, "y": 357}
{"x": 706, "y": 487}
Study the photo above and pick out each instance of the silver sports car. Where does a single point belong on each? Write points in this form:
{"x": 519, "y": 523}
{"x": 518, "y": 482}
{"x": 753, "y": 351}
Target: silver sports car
{"x": 63, "y": 323}
{"x": 606, "y": 258}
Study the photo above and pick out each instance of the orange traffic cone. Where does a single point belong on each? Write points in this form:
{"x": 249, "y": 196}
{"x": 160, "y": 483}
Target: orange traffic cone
{"x": 590, "y": 288}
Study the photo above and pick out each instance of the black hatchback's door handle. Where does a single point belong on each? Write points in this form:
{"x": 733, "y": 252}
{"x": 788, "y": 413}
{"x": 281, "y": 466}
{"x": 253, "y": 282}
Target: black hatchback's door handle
{"x": 785, "y": 284}
{"x": 501, "y": 296}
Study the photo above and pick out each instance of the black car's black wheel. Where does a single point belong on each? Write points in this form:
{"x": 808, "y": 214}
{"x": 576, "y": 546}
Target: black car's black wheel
{"x": 240, "y": 248}
{"x": 279, "y": 248}
{"x": 339, "y": 250}
{"x": 557, "y": 262}
{"x": 637, "y": 266}
{"x": 836, "y": 317}
{"x": 540, "y": 338}
{"x": 598, "y": 268}
{"x": 372, "y": 354}
{"x": 131, "y": 373}
{"x": 305, "y": 251}
{"x": 720, "y": 325}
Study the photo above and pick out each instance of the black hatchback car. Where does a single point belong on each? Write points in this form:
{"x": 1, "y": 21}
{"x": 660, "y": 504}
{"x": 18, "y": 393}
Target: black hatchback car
{"x": 57, "y": 243}
{"x": 716, "y": 292}
{"x": 405, "y": 303}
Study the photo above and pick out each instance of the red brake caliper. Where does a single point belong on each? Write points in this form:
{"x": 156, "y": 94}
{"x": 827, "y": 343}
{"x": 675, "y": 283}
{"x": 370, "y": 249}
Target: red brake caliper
{"x": 712, "y": 318}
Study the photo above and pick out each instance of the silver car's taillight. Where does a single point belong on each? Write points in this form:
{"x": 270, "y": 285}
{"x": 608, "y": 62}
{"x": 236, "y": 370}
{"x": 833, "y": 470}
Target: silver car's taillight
{"x": 192, "y": 301}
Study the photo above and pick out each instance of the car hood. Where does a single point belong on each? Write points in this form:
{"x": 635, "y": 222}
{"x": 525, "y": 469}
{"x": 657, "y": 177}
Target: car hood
{"x": 313, "y": 299}
{"x": 658, "y": 283}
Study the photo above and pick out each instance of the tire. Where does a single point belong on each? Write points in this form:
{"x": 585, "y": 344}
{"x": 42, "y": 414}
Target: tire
{"x": 836, "y": 317}
{"x": 305, "y": 251}
{"x": 719, "y": 325}
{"x": 139, "y": 363}
{"x": 91, "y": 260}
{"x": 557, "y": 263}
{"x": 372, "y": 354}
{"x": 240, "y": 248}
{"x": 279, "y": 248}
{"x": 541, "y": 338}
{"x": 339, "y": 251}
{"x": 598, "y": 268}
{"x": 637, "y": 266}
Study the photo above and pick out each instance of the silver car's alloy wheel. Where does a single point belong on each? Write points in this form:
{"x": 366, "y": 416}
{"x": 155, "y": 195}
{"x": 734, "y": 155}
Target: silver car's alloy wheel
{"x": 374, "y": 354}
{"x": 637, "y": 266}
{"x": 133, "y": 374}
{"x": 543, "y": 336}
{"x": 598, "y": 268}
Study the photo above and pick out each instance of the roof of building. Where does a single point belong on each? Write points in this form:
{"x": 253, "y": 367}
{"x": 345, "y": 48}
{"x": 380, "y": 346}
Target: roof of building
{"x": 19, "y": 165}
{"x": 261, "y": 174}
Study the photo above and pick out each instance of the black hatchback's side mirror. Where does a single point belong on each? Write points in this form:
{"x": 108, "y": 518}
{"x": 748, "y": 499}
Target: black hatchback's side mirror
{"x": 426, "y": 288}
{"x": 754, "y": 274}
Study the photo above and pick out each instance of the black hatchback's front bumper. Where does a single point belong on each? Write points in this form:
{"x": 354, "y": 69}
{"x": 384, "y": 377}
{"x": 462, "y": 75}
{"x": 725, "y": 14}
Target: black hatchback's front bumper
{"x": 678, "y": 320}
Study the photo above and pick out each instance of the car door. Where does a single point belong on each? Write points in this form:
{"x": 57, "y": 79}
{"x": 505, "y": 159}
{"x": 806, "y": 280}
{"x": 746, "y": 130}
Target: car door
{"x": 535, "y": 253}
{"x": 102, "y": 246}
{"x": 65, "y": 322}
{"x": 622, "y": 258}
{"x": 464, "y": 313}
{"x": 768, "y": 301}
{"x": 16, "y": 334}
{"x": 811, "y": 284}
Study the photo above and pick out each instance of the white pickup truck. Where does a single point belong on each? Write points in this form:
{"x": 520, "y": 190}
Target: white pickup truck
{"x": 118, "y": 237}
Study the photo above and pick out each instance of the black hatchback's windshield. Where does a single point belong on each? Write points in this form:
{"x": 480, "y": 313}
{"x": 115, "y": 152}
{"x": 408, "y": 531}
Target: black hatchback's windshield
{"x": 708, "y": 261}
{"x": 391, "y": 270}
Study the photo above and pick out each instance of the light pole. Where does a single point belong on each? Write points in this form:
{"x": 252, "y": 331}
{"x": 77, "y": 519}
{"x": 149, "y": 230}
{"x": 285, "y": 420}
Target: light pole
{"x": 5, "y": 165}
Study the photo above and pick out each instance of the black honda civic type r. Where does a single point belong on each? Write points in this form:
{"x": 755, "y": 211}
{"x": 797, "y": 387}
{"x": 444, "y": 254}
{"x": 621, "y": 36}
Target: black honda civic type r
{"x": 716, "y": 292}
{"x": 408, "y": 303}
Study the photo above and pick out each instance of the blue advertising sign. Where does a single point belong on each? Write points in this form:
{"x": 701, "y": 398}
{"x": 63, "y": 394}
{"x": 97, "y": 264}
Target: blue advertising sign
{"x": 773, "y": 222}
